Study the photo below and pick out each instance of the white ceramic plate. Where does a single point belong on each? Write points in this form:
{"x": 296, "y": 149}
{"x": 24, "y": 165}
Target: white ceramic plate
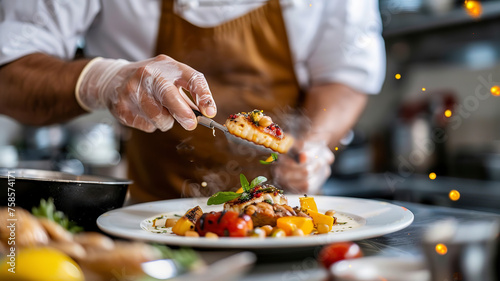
{"x": 373, "y": 218}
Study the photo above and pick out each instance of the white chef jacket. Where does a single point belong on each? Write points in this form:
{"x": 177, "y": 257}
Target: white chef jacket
{"x": 330, "y": 40}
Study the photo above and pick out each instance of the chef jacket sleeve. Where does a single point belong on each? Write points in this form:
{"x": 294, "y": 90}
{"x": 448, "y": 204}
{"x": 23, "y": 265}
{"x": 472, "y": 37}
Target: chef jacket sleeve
{"x": 47, "y": 26}
{"x": 349, "y": 48}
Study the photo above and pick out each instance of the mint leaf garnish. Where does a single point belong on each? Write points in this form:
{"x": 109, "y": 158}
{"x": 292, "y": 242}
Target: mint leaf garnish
{"x": 257, "y": 181}
{"x": 244, "y": 183}
{"x": 222, "y": 197}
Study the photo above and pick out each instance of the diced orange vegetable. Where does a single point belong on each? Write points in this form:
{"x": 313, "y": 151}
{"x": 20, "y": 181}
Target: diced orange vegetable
{"x": 240, "y": 190}
{"x": 187, "y": 222}
{"x": 308, "y": 203}
{"x": 182, "y": 226}
{"x": 289, "y": 224}
{"x": 319, "y": 218}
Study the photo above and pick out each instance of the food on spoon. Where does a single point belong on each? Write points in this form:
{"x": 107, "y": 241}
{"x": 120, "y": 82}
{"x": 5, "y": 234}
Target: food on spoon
{"x": 260, "y": 129}
{"x": 225, "y": 223}
{"x": 188, "y": 221}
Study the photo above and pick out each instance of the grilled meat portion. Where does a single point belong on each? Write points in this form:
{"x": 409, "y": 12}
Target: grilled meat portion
{"x": 263, "y": 213}
{"x": 300, "y": 213}
{"x": 265, "y": 204}
{"x": 265, "y": 193}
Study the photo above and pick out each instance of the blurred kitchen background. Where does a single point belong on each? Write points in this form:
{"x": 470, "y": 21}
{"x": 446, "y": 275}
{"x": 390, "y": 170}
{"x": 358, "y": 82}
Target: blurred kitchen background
{"x": 431, "y": 136}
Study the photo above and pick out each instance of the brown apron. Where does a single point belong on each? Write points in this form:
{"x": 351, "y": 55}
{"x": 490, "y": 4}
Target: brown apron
{"x": 248, "y": 65}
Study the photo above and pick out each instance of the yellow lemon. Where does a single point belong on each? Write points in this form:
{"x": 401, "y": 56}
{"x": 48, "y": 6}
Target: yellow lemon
{"x": 41, "y": 264}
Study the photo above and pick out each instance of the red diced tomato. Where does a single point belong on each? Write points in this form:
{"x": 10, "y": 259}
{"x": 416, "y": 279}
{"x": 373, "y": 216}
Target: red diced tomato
{"x": 229, "y": 223}
{"x": 335, "y": 252}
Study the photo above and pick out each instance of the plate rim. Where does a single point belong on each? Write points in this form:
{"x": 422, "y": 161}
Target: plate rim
{"x": 235, "y": 243}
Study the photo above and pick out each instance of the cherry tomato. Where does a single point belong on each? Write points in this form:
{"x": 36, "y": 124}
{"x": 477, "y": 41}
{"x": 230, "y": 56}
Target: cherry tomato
{"x": 229, "y": 223}
{"x": 339, "y": 251}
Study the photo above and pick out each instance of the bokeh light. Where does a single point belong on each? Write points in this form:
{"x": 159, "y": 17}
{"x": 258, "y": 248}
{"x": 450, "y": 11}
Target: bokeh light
{"x": 473, "y": 8}
{"x": 448, "y": 113}
{"x": 397, "y": 76}
{"x": 441, "y": 249}
{"x": 432, "y": 176}
{"x": 454, "y": 195}
{"x": 424, "y": 89}
{"x": 336, "y": 148}
{"x": 495, "y": 90}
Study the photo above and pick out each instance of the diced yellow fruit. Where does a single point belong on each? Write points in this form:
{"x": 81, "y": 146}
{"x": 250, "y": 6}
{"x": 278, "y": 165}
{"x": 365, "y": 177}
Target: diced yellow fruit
{"x": 308, "y": 203}
{"x": 187, "y": 222}
{"x": 270, "y": 159}
{"x": 319, "y": 218}
{"x": 290, "y": 224}
{"x": 240, "y": 190}
{"x": 182, "y": 226}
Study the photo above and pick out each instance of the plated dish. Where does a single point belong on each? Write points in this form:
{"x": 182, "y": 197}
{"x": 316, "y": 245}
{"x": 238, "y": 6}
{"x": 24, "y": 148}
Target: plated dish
{"x": 258, "y": 209}
{"x": 370, "y": 218}
{"x": 257, "y": 127}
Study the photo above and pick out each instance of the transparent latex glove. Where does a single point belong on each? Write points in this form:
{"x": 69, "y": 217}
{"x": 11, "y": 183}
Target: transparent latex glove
{"x": 311, "y": 171}
{"x": 145, "y": 95}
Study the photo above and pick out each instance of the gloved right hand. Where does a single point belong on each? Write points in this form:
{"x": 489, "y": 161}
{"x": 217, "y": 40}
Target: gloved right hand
{"x": 145, "y": 95}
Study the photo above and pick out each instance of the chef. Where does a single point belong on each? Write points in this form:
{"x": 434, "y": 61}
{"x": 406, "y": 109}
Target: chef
{"x": 307, "y": 64}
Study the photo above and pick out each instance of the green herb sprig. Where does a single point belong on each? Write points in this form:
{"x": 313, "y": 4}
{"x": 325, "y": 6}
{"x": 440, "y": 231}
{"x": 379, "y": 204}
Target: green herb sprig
{"x": 224, "y": 196}
{"x": 47, "y": 209}
{"x": 187, "y": 258}
{"x": 274, "y": 157}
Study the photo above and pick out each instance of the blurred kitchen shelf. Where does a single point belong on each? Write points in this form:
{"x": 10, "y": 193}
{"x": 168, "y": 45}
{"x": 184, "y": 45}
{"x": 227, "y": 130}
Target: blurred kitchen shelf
{"x": 476, "y": 195}
{"x": 409, "y": 23}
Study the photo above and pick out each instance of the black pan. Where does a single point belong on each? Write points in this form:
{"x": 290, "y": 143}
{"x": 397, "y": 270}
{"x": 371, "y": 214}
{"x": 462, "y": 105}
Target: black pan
{"x": 81, "y": 198}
